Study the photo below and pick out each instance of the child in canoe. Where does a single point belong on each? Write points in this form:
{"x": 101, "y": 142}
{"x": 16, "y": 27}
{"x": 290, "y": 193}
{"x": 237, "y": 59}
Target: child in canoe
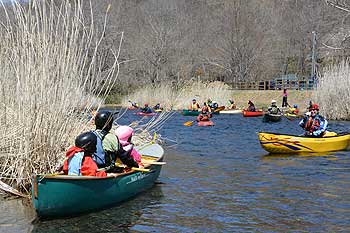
{"x": 79, "y": 157}
{"x": 124, "y": 134}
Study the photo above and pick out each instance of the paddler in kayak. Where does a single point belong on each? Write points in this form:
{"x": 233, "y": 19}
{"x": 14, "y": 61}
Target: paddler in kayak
{"x": 194, "y": 106}
{"x": 273, "y": 109}
{"x": 313, "y": 123}
{"x": 204, "y": 115}
{"x": 251, "y": 107}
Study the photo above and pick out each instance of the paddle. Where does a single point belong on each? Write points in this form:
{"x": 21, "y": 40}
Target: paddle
{"x": 153, "y": 162}
{"x": 189, "y": 123}
{"x": 219, "y": 109}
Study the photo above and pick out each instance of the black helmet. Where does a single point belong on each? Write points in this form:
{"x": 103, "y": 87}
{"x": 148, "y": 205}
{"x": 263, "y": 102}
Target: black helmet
{"x": 104, "y": 120}
{"x": 87, "y": 141}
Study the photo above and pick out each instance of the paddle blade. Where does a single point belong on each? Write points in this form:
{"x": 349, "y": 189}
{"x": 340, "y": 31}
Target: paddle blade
{"x": 188, "y": 123}
{"x": 219, "y": 109}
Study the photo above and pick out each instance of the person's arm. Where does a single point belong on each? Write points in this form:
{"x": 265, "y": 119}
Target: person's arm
{"x": 126, "y": 158}
{"x": 322, "y": 129}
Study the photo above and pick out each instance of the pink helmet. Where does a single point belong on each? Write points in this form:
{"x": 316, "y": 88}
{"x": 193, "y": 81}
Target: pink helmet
{"x": 124, "y": 132}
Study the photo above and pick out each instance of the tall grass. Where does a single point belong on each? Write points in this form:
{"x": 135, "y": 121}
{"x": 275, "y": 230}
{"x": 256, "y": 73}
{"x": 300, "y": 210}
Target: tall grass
{"x": 180, "y": 98}
{"x": 50, "y": 77}
{"x": 333, "y": 92}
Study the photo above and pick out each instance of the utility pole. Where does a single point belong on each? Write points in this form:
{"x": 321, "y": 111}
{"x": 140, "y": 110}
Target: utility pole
{"x": 313, "y": 72}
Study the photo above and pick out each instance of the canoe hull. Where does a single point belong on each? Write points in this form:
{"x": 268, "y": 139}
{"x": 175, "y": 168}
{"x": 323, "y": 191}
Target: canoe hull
{"x": 281, "y": 143}
{"x": 57, "y": 196}
{"x": 272, "y": 117}
{"x": 186, "y": 112}
{"x": 205, "y": 123}
{"x": 233, "y": 111}
{"x": 252, "y": 114}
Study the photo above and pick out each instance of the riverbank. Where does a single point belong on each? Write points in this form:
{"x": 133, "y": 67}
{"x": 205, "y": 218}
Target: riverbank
{"x": 261, "y": 98}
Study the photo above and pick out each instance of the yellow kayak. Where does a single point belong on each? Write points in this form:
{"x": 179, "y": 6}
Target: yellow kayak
{"x": 283, "y": 143}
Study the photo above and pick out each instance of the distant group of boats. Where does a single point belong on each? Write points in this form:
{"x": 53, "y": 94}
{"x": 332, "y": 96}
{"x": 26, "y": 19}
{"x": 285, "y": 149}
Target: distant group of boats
{"x": 284, "y": 143}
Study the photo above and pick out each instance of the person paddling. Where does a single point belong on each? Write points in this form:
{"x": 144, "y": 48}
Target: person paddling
{"x": 146, "y": 109}
{"x": 204, "y": 115}
{"x": 194, "y": 106}
{"x": 313, "y": 123}
{"x": 273, "y": 109}
{"x": 251, "y": 107}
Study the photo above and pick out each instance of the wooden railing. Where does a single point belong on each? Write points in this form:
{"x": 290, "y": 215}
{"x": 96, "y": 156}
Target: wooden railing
{"x": 273, "y": 85}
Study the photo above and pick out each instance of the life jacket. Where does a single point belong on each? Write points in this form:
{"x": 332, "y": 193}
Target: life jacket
{"x": 312, "y": 124}
{"x": 99, "y": 155}
{"x": 274, "y": 110}
{"x": 195, "y": 106}
{"x": 74, "y": 158}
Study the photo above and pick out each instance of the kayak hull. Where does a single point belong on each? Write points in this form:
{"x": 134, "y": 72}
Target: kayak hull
{"x": 283, "y": 143}
{"x": 145, "y": 114}
{"x": 252, "y": 114}
{"x": 231, "y": 111}
{"x": 187, "y": 112}
{"x": 205, "y": 123}
{"x": 272, "y": 117}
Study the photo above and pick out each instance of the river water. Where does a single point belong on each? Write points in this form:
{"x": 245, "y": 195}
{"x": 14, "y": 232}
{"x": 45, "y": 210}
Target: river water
{"x": 219, "y": 179}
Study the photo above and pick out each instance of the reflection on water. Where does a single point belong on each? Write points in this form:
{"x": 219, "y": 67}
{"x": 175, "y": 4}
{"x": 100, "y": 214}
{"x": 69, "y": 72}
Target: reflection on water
{"x": 116, "y": 219}
{"x": 219, "y": 179}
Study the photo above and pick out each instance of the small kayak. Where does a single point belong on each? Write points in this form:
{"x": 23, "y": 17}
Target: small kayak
{"x": 145, "y": 114}
{"x": 205, "y": 123}
{"x": 284, "y": 143}
{"x": 231, "y": 111}
{"x": 252, "y": 114}
{"x": 268, "y": 117}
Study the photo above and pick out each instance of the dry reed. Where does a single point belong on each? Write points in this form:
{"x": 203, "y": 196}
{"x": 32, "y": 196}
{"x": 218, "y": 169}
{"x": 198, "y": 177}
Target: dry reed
{"x": 332, "y": 92}
{"x": 50, "y": 71}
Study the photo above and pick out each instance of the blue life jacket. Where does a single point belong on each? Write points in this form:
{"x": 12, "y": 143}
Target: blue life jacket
{"x": 99, "y": 155}
{"x": 74, "y": 163}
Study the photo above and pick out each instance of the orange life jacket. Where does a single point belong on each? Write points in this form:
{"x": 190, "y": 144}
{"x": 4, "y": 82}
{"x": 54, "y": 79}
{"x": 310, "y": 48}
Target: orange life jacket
{"x": 312, "y": 125}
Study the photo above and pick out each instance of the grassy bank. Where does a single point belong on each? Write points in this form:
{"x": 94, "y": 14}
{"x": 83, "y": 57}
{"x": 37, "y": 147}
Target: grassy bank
{"x": 217, "y": 91}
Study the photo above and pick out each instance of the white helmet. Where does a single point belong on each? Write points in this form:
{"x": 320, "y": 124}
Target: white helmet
{"x": 273, "y": 101}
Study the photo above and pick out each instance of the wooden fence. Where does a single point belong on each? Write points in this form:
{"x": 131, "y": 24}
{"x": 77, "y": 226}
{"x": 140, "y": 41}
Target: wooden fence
{"x": 274, "y": 85}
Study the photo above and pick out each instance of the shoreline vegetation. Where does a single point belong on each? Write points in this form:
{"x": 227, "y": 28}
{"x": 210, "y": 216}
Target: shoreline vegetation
{"x": 216, "y": 91}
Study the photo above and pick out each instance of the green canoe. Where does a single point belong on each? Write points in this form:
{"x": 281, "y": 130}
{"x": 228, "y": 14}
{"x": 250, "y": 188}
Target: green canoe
{"x": 63, "y": 195}
{"x": 268, "y": 117}
{"x": 187, "y": 112}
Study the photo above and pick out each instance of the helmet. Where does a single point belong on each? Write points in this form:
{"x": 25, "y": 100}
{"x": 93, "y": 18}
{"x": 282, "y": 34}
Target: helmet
{"x": 273, "y": 101}
{"x": 194, "y": 100}
{"x": 104, "y": 120}
{"x": 314, "y": 106}
{"x": 124, "y": 132}
{"x": 86, "y": 141}
{"x": 250, "y": 102}
{"x": 295, "y": 106}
